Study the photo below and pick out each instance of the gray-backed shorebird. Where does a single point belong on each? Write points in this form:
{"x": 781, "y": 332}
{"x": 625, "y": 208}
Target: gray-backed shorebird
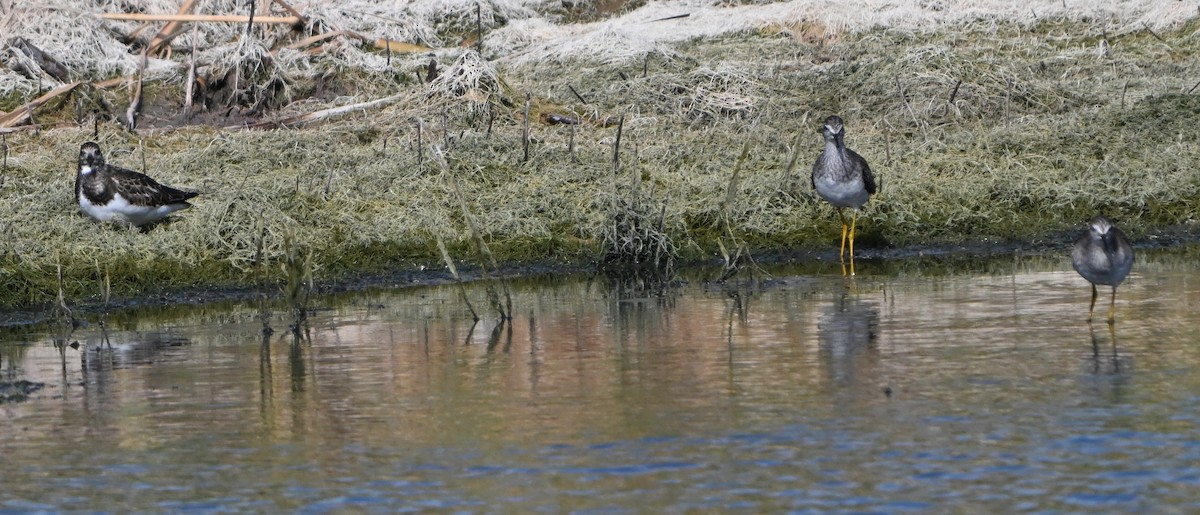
{"x": 842, "y": 177}
{"x": 1102, "y": 255}
{"x": 110, "y": 193}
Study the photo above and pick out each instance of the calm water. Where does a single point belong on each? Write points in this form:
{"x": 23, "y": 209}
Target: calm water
{"x": 772, "y": 397}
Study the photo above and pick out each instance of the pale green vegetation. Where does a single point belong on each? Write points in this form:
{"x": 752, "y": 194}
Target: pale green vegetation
{"x": 978, "y": 130}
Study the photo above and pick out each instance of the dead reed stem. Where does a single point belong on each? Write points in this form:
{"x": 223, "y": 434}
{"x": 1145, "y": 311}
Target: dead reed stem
{"x": 785, "y": 181}
{"x": 420, "y": 143}
{"x": 190, "y": 90}
{"x": 462, "y": 289}
{"x": 135, "y": 100}
{"x": 616, "y": 155}
{"x": 525, "y": 129}
{"x": 481, "y": 246}
{"x": 250, "y": 19}
{"x": 479, "y": 29}
{"x": 229, "y": 18}
{"x": 264, "y": 307}
{"x": 732, "y": 260}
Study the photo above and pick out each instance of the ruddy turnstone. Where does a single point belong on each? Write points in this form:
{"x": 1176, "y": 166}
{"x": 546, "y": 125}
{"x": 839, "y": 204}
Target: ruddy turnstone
{"x": 110, "y": 193}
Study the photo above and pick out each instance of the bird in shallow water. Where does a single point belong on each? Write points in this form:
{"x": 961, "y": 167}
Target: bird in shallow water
{"x": 113, "y": 194}
{"x": 842, "y": 177}
{"x": 1102, "y": 255}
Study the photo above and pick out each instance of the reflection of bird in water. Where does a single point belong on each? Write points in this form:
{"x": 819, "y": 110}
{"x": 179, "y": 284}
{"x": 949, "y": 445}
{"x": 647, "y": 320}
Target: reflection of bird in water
{"x": 1114, "y": 358}
{"x": 1102, "y": 255}
{"x": 140, "y": 351}
{"x": 846, "y": 334}
{"x": 843, "y": 178}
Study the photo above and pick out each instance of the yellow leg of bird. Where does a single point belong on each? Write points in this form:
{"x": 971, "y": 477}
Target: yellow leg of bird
{"x": 842, "y": 252}
{"x": 853, "y": 224}
{"x": 1112, "y": 307}
{"x": 1092, "y": 306}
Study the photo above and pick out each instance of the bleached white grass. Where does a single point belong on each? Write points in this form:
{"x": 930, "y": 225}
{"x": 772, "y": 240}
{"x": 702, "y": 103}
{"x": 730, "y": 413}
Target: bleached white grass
{"x": 640, "y": 32}
{"x": 523, "y": 32}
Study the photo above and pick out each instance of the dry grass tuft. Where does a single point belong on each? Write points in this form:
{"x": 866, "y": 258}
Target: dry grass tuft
{"x": 984, "y": 129}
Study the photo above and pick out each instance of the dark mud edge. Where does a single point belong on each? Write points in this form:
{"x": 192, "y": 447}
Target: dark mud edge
{"x": 1057, "y": 243}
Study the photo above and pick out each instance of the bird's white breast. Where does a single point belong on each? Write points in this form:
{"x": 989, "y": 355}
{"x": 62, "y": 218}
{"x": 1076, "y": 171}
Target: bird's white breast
{"x": 120, "y": 210}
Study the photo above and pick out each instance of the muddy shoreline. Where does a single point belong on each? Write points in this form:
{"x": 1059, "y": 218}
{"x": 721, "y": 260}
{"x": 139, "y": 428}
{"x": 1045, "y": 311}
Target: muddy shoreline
{"x": 822, "y": 260}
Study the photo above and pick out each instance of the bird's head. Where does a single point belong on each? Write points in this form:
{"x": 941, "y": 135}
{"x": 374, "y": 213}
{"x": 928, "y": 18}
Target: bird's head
{"x": 1100, "y": 225}
{"x": 90, "y": 155}
{"x": 832, "y": 128}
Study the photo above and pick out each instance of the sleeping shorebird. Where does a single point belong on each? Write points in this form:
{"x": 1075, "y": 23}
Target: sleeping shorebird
{"x": 842, "y": 177}
{"x": 113, "y": 194}
{"x": 1102, "y": 255}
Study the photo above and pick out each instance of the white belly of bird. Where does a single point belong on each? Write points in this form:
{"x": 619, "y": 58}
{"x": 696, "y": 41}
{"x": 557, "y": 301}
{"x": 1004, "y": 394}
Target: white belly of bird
{"x": 843, "y": 194}
{"x": 120, "y": 210}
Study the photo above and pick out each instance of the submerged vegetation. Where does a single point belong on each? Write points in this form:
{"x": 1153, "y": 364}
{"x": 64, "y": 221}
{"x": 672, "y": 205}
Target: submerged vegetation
{"x": 984, "y": 130}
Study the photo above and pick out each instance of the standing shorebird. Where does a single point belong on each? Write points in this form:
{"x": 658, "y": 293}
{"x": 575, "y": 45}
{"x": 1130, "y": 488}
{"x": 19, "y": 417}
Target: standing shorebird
{"x": 842, "y": 177}
{"x": 1102, "y": 255}
{"x": 113, "y": 194}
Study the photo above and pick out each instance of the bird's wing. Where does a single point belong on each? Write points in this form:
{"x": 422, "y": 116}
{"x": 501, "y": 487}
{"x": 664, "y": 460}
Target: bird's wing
{"x": 140, "y": 189}
{"x": 812, "y": 178}
{"x": 867, "y": 177}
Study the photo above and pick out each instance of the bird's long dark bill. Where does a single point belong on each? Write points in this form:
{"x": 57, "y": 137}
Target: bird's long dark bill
{"x": 1110, "y": 241}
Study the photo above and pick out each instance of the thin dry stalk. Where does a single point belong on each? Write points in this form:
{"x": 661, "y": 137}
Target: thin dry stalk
{"x": 953, "y": 95}
{"x": 909, "y": 107}
{"x": 525, "y": 129}
{"x": 25, "y": 112}
{"x": 61, "y": 313}
{"x": 1007, "y": 99}
{"x": 445, "y": 130}
{"x": 250, "y": 19}
{"x": 264, "y": 307}
{"x": 3, "y": 158}
{"x": 190, "y": 90}
{"x": 172, "y": 29}
{"x": 616, "y": 155}
{"x": 462, "y": 289}
{"x": 478, "y": 29}
{"x": 481, "y": 246}
{"x": 420, "y": 143}
{"x": 229, "y": 18}
{"x": 299, "y": 281}
{"x": 135, "y": 100}
{"x": 733, "y": 263}
{"x": 571, "y": 143}
{"x": 785, "y": 181}
{"x": 314, "y": 116}
{"x": 577, "y": 95}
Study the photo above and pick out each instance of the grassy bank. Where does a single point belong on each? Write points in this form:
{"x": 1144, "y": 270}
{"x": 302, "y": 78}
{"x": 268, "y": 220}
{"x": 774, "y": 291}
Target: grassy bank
{"x": 985, "y": 131}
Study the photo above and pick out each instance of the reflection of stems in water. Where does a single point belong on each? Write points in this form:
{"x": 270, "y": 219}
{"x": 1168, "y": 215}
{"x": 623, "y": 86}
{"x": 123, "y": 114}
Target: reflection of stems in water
{"x": 471, "y": 332}
{"x": 462, "y": 289}
{"x": 61, "y": 313}
{"x": 735, "y": 261}
{"x": 298, "y": 266}
{"x": 264, "y": 307}
{"x": 729, "y": 337}
{"x": 266, "y": 395}
{"x": 481, "y": 246}
{"x": 105, "y": 289}
{"x": 494, "y": 338}
{"x": 296, "y": 362}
